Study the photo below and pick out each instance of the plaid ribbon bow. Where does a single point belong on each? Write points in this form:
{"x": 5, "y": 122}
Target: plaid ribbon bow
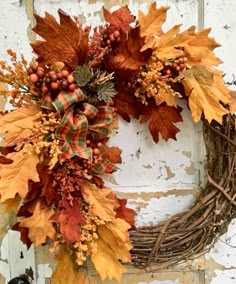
{"x": 76, "y": 122}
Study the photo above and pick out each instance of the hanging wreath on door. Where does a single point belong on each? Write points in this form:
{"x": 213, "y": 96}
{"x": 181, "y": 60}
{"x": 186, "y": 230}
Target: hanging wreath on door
{"x": 55, "y": 153}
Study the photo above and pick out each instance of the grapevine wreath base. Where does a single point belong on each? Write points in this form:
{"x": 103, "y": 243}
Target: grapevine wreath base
{"x": 186, "y": 235}
{"x": 55, "y": 154}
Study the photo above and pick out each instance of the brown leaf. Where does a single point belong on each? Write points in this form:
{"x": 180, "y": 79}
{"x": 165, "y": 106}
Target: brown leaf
{"x": 205, "y": 89}
{"x": 15, "y": 176}
{"x": 152, "y": 22}
{"x": 162, "y": 119}
{"x": 39, "y": 225}
{"x": 65, "y": 42}
{"x": 113, "y": 154}
{"x": 113, "y": 244}
{"x": 126, "y": 59}
{"x": 69, "y": 218}
{"x": 66, "y": 271}
{"x": 17, "y": 125}
{"x": 127, "y": 104}
{"x": 119, "y": 19}
{"x": 100, "y": 204}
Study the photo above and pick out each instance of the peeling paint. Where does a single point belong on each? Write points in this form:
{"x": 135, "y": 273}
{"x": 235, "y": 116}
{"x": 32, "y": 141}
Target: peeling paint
{"x": 148, "y": 166}
{"x": 190, "y": 170}
{"x": 169, "y": 173}
{"x": 187, "y": 154}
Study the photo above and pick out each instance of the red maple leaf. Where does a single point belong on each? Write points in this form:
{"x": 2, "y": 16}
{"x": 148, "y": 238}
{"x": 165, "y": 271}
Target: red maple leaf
{"x": 69, "y": 218}
{"x": 126, "y": 58}
{"x": 119, "y": 19}
{"x": 66, "y": 42}
{"x": 125, "y": 213}
{"x": 161, "y": 120}
{"x": 127, "y": 104}
{"x": 23, "y": 234}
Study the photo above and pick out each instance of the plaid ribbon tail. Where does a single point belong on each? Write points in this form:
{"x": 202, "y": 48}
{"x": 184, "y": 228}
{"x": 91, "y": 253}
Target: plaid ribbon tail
{"x": 73, "y": 130}
{"x": 99, "y": 127}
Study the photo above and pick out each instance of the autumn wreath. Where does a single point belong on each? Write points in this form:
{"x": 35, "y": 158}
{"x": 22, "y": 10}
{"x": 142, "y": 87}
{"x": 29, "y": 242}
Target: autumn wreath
{"x": 55, "y": 153}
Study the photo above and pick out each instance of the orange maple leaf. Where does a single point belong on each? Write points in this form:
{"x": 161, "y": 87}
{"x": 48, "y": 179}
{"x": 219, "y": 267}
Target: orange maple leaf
{"x": 119, "y": 19}
{"x": 113, "y": 244}
{"x": 65, "y": 271}
{"x": 162, "y": 119}
{"x": 126, "y": 58}
{"x": 152, "y": 22}
{"x": 66, "y": 42}
{"x": 15, "y": 176}
{"x": 206, "y": 90}
{"x": 100, "y": 204}
{"x": 196, "y": 46}
{"x": 39, "y": 225}
{"x": 17, "y": 125}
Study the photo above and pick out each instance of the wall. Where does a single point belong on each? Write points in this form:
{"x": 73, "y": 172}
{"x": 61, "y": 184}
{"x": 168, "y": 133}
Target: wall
{"x": 159, "y": 180}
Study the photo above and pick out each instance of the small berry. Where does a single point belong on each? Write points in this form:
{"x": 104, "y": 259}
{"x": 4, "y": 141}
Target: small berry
{"x": 70, "y": 79}
{"x": 54, "y": 85}
{"x": 116, "y": 34}
{"x": 34, "y": 78}
{"x": 65, "y": 73}
{"x": 72, "y": 87}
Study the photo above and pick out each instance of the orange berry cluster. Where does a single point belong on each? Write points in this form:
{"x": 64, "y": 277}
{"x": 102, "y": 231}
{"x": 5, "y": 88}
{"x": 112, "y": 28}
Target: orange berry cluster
{"x": 111, "y": 38}
{"x": 48, "y": 80}
{"x": 173, "y": 67}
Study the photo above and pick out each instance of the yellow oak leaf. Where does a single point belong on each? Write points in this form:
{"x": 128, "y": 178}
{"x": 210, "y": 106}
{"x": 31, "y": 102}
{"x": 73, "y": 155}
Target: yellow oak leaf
{"x": 205, "y": 89}
{"x": 17, "y": 125}
{"x": 106, "y": 264}
{"x": 151, "y": 23}
{"x": 115, "y": 235}
{"x": 196, "y": 46}
{"x": 113, "y": 244}
{"x": 39, "y": 225}
{"x": 100, "y": 204}
{"x": 66, "y": 271}
{"x": 15, "y": 176}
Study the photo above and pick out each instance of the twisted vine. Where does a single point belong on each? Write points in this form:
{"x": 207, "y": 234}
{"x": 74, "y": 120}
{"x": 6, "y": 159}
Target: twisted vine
{"x": 186, "y": 235}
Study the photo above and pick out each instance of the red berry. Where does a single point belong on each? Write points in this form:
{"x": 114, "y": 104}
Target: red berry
{"x": 112, "y": 38}
{"x": 54, "y": 85}
{"x": 65, "y": 73}
{"x": 168, "y": 72}
{"x": 34, "y": 78}
{"x": 182, "y": 66}
{"x": 51, "y": 73}
{"x": 96, "y": 151}
{"x": 44, "y": 89}
{"x": 33, "y": 66}
{"x": 53, "y": 77}
{"x": 108, "y": 42}
{"x": 116, "y": 34}
{"x": 59, "y": 75}
{"x": 72, "y": 87}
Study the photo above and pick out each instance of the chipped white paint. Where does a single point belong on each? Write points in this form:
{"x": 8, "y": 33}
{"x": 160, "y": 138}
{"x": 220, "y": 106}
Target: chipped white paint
{"x": 146, "y": 167}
